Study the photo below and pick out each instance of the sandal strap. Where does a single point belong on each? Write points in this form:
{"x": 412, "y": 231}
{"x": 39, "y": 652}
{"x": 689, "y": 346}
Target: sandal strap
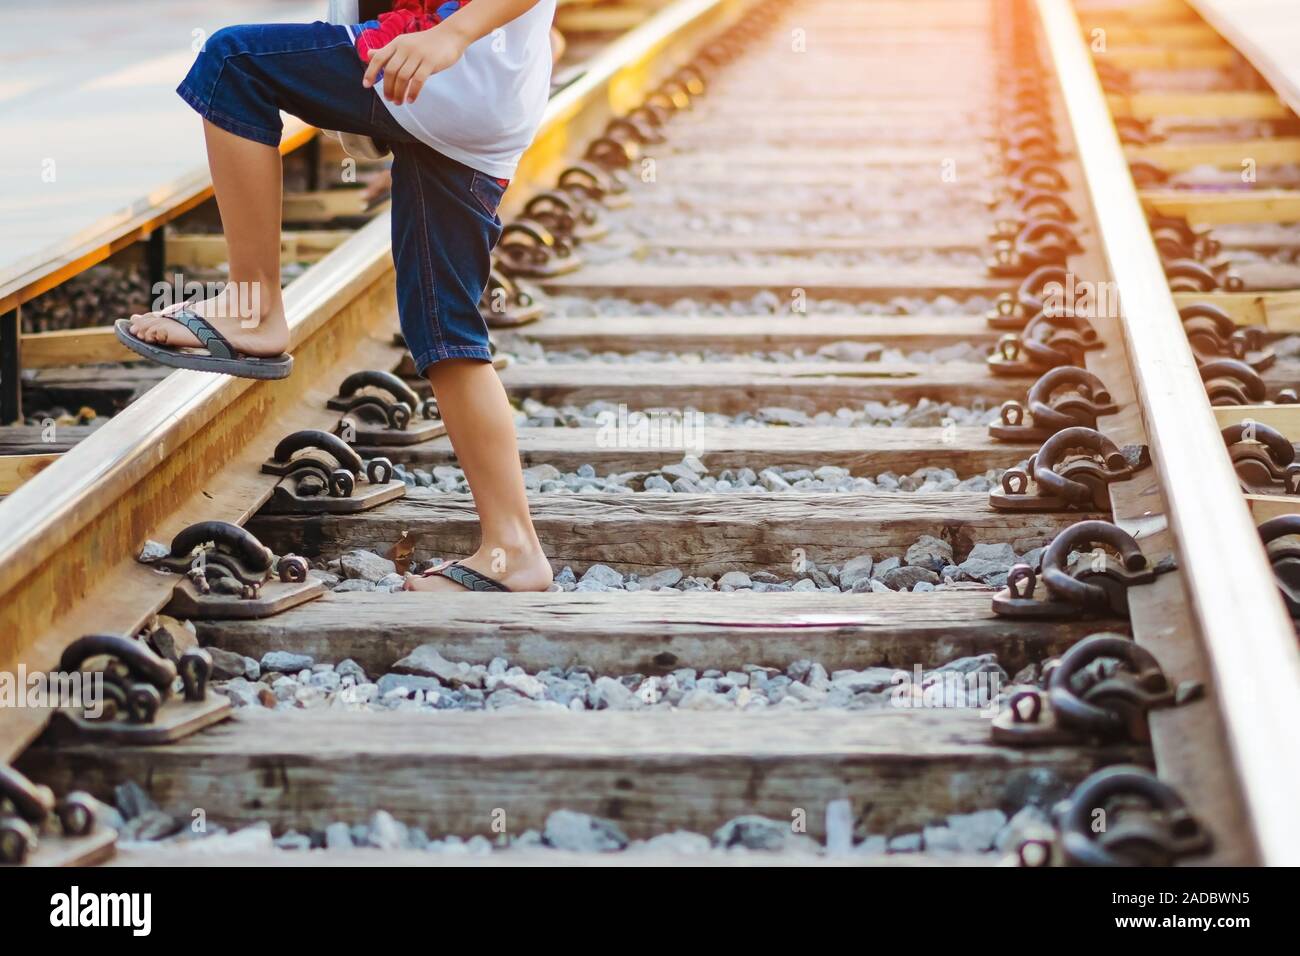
{"x": 203, "y": 330}
{"x": 469, "y": 579}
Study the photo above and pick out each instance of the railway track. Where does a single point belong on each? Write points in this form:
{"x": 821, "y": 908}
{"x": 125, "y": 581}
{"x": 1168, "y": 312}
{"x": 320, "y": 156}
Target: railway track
{"x": 882, "y": 534}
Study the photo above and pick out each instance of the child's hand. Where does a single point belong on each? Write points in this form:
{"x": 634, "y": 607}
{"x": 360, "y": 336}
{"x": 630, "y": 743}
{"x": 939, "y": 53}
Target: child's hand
{"x": 411, "y": 59}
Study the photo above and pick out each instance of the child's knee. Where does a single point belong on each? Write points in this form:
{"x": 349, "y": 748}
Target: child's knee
{"x": 227, "y": 42}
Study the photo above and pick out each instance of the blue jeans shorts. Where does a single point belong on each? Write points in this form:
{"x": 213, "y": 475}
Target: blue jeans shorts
{"x": 444, "y": 213}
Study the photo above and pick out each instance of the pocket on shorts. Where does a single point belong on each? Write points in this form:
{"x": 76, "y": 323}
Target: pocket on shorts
{"x": 488, "y": 190}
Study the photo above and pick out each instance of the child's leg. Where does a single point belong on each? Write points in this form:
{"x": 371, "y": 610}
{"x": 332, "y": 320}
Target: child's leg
{"x": 249, "y": 312}
{"x": 242, "y": 79}
{"x": 444, "y": 227}
{"x": 481, "y": 426}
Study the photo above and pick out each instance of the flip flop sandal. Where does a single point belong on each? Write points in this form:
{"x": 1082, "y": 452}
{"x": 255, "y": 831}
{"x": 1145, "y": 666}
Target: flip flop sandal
{"x": 217, "y": 354}
{"x": 467, "y": 578}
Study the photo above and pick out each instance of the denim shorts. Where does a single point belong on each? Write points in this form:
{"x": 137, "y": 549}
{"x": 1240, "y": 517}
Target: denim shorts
{"x": 444, "y": 213}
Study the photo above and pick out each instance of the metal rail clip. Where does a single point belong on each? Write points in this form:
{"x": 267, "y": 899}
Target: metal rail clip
{"x": 1072, "y": 470}
{"x": 227, "y": 574}
{"x": 322, "y": 475}
{"x": 380, "y": 409}
{"x": 1101, "y": 689}
{"x": 28, "y": 813}
{"x": 139, "y": 704}
{"x": 1064, "y": 397}
{"x": 1126, "y": 816}
{"x": 1096, "y": 585}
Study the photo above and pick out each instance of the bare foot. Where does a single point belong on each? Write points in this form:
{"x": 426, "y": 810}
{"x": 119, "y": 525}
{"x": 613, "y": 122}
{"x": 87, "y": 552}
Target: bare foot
{"x": 251, "y": 326}
{"x": 518, "y": 572}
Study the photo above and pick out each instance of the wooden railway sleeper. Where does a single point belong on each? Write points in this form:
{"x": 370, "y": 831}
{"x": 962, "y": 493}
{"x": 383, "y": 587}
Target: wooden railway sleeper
{"x": 1072, "y": 470}
{"x": 1063, "y": 397}
{"x": 323, "y": 473}
{"x": 27, "y": 811}
{"x": 1099, "y": 691}
{"x": 1147, "y": 823}
{"x": 1096, "y": 585}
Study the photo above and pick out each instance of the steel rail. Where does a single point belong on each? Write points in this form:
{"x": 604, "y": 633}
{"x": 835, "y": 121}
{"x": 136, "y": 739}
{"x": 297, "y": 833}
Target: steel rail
{"x": 1249, "y": 640}
{"x": 56, "y": 264}
{"x": 68, "y": 537}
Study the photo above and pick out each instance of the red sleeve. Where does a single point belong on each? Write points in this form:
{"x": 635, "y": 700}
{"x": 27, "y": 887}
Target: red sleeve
{"x": 389, "y": 27}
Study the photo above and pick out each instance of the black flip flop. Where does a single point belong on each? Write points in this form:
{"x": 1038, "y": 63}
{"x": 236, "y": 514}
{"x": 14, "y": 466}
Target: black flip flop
{"x": 467, "y": 578}
{"x": 217, "y": 354}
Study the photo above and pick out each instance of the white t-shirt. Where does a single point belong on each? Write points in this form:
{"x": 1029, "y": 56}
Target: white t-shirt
{"x": 485, "y": 109}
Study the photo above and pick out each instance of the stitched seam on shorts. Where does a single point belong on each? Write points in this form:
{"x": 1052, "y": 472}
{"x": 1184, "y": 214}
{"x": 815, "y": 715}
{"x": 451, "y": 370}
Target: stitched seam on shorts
{"x": 428, "y": 260}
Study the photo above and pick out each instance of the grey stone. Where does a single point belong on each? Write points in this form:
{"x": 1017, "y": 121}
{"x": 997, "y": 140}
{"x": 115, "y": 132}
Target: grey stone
{"x": 872, "y": 845}
{"x": 1029, "y": 823}
{"x": 283, "y": 662}
{"x": 902, "y": 579}
{"x": 131, "y": 800}
{"x": 152, "y": 551}
{"x": 151, "y": 825}
{"x": 524, "y": 684}
{"x": 338, "y": 836}
{"x": 679, "y": 471}
{"x": 385, "y": 832}
{"x": 977, "y": 664}
{"x": 941, "y": 840}
{"x": 242, "y": 693}
{"x": 293, "y": 840}
{"x": 603, "y": 574}
{"x": 753, "y": 833}
{"x": 929, "y": 552}
{"x": 172, "y": 638}
{"x": 855, "y": 570}
{"x": 411, "y": 682}
{"x": 350, "y": 668}
{"x": 667, "y": 578}
{"x": 582, "y": 833}
{"x": 425, "y": 660}
{"x": 227, "y": 665}
{"x": 976, "y": 832}
{"x": 989, "y": 563}
{"x": 700, "y": 699}
{"x": 678, "y": 841}
{"x": 354, "y": 584}
{"x": 906, "y": 843}
{"x": 327, "y": 578}
{"x": 886, "y": 565}
{"x": 870, "y": 680}
{"x": 734, "y": 579}
{"x": 360, "y": 563}
{"x": 609, "y": 694}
